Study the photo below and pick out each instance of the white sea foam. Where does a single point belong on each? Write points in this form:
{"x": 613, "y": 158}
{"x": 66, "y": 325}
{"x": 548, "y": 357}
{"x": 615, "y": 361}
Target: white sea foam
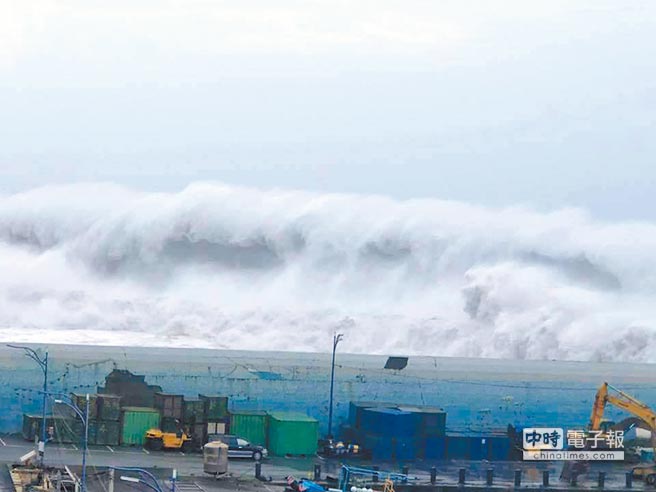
{"x": 223, "y": 266}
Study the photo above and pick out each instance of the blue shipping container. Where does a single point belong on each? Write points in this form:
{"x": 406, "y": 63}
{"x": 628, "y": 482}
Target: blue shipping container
{"x": 499, "y": 448}
{"x": 478, "y": 448}
{"x": 405, "y": 449}
{"x": 435, "y": 448}
{"x": 389, "y": 422}
{"x": 381, "y": 447}
{"x": 432, "y": 420}
{"x": 458, "y": 447}
{"x": 356, "y": 408}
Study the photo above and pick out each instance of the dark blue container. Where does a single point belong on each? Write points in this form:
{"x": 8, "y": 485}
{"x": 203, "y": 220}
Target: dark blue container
{"x": 356, "y": 408}
{"x": 431, "y": 420}
{"x": 478, "y": 448}
{"x": 458, "y": 447}
{"x": 406, "y": 449}
{"x": 389, "y": 422}
{"x": 435, "y": 448}
{"x": 498, "y": 448}
{"x": 381, "y": 447}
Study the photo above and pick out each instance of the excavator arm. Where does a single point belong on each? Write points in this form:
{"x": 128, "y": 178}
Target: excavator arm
{"x": 623, "y": 401}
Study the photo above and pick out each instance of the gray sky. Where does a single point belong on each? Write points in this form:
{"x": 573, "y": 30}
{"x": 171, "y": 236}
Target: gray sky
{"x": 545, "y": 103}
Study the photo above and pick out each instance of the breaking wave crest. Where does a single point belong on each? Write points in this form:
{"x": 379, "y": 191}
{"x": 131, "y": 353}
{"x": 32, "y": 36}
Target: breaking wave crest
{"x": 223, "y": 266}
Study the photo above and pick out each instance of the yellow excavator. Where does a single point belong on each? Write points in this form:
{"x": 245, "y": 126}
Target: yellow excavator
{"x": 636, "y": 408}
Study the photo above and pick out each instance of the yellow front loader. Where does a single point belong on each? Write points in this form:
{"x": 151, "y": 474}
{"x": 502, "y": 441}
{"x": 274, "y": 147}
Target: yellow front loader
{"x": 156, "y": 440}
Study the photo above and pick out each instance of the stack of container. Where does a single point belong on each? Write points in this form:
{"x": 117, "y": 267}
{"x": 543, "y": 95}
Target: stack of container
{"x": 171, "y": 410}
{"x": 292, "y": 433}
{"x": 80, "y": 401}
{"x": 397, "y": 433}
{"x": 108, "y": 425}
{"x": 195, "y": 421}
{"x": 217, "y": 417}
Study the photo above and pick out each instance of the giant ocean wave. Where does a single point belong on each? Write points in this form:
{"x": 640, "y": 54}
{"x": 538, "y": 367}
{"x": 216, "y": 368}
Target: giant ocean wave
{"x": 230, "y": 267}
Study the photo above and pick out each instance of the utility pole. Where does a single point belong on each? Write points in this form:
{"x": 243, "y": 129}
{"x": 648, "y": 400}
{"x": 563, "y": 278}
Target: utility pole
{"x": 337, "y": 337}
{"x": 85, "y": 445}
{"x": 43, "y": 363}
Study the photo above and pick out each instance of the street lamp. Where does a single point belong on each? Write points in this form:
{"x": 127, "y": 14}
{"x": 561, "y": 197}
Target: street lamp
{"x": 337, "y": 337}
{"x": 43, "y": 363}
{"x": 154, "y": 486}
{"x": 85, "y": 420}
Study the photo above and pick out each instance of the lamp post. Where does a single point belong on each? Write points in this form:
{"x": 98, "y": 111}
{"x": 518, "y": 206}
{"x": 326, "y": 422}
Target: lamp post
{"x": 154, "y": 486}
{"x": 43, "y": 363}
{"x": 85, "y": 420}
{"x": 337, "y": 337}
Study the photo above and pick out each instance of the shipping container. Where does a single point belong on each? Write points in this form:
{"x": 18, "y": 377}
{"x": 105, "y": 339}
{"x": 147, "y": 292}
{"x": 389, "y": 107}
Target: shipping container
{"x": 499, "y": 448}
{"x": 216, "y": 407}
{"x": 109, "y": 407}
{"x": 406, "y": 449}
{"x": 390, "y": 422}
{"x": 59, "y": 429}
{"x": 432, "y": 420}
{"x": 458, "y": 447}
{"x": 478, "y": 448}
{"x": 221, "y": 427}
{"x": 132, "y": 388}
{"x": 435, "y": 448}
{"x": 198, "y": 433}
{"x": 135, "y": 421}
{"x": 356, "y": 407}
{"x": 78, "y": 431}
{"x": 80, "y": 401}
{"x": 194, "y": 411}
{"x": 169, "y": 405}
{"x": 251, "y": 426}
{"x": 108, "y": 432}
{"x": 380, "y": 447}
{"x": 292, "y": 433}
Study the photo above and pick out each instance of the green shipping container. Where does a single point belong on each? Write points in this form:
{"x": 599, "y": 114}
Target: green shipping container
{"x": 292, "y": 433}
{"x": 135, "y": 421}
{"x": 252, "y": 426}
{"x": 216, "y": 407}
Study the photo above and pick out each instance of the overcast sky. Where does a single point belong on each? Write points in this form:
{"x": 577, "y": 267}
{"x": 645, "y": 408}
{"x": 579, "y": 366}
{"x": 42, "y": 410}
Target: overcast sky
{"x": 544, "y": 103}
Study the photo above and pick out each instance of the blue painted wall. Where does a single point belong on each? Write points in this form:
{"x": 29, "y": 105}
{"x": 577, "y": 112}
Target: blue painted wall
{"x": 478, "y": 394}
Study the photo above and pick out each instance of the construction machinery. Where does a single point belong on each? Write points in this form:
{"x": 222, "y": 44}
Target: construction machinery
{"x": 156, "y": 439}
{"x": 635, "y": 407}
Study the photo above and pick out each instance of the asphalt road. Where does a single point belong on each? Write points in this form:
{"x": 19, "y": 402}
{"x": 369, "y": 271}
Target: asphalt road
{"x": 187, "y": 464}
{"x": 191, "y": 465}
